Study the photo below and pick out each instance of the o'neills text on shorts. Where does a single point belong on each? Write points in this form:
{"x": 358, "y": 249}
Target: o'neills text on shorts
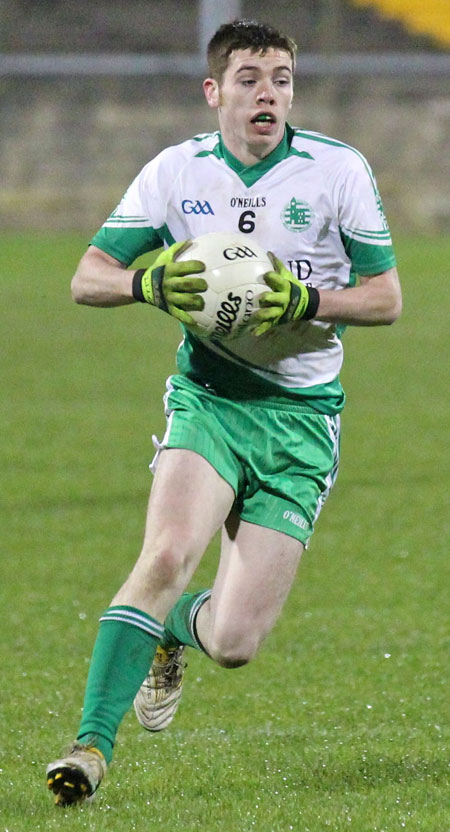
{"x": 296, "y": 519}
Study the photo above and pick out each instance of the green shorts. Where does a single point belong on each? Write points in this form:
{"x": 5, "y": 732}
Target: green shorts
{"x": 281, "y": 460}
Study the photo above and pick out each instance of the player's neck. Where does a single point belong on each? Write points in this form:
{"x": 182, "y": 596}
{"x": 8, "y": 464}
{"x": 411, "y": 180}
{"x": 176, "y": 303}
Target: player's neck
{"x": 249, "y": 154}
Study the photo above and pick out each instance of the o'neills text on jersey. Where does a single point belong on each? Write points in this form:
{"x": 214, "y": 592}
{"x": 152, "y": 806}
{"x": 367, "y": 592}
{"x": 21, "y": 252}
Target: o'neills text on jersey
{"x": 248, "y": 201}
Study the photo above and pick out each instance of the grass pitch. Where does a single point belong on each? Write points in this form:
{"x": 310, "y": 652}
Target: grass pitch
{"x": 342, "y": 722}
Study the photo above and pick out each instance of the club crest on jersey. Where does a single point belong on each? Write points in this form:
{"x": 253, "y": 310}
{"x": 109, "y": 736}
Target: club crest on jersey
{"x": 297, "y": 215}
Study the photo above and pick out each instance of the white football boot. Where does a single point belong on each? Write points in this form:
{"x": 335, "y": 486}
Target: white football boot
{"x": 159, "y": 695}
{"x": 75, "y": 778}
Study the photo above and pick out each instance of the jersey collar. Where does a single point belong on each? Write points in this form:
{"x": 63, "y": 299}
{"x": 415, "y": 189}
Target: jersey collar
{"x": 249, "y": 174}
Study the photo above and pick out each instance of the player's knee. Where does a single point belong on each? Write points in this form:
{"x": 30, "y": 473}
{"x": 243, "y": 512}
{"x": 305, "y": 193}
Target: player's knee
{"x": 230, "y": 652}
{"x": 165, "y": 567}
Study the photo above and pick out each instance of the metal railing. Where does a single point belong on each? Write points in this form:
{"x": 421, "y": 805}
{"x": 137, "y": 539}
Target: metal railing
{"x": 388, "y": 63}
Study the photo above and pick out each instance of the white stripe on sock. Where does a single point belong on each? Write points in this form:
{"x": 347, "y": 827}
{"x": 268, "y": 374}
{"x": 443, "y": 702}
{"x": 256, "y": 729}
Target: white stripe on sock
{"x": 139, "y": 621}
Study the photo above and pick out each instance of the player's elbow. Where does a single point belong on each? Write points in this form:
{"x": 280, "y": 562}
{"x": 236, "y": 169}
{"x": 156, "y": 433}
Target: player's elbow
{"x": 84, "y": 287}
{"x": 87, "y": 284}
{"x": 76, "y": 289}
{"x": 393, "y": 309}
{"x": 387, "y": 297}
{"x": 390, "y": 314}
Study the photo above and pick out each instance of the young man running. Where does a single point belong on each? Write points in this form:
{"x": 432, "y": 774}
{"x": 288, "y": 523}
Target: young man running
{"x": 251, "y": 445}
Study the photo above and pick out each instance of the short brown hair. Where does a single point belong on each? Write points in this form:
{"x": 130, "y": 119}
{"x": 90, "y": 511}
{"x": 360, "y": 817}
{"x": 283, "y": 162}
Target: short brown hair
{"x": 245, "y": 34}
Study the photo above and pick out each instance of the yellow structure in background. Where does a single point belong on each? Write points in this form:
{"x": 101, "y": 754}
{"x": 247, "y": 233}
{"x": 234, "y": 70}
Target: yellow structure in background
{"x": 423, "y": 17}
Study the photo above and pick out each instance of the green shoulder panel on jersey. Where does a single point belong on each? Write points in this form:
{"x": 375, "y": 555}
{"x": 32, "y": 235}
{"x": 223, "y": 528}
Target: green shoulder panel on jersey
{"x": 373, "y": 256}
{"x": 235, "y": 381}
{"x": 126, "y": 243}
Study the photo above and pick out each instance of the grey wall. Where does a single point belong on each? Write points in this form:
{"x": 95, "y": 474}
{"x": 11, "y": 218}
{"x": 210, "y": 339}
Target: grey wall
{"x": 70, "y": 146}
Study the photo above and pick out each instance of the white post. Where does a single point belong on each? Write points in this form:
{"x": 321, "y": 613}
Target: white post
{"x": 211, "y": 15}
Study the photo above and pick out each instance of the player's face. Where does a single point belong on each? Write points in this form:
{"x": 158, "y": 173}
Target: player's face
{"x": 253, "y": 100}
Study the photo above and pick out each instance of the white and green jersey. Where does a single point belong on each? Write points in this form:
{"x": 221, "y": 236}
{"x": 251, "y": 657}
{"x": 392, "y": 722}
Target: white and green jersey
{"x": 313, "y": 202}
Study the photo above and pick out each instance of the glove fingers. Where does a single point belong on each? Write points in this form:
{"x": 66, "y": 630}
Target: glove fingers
{"x": 275, "y": 281}
{"x": 186, "y": 319}
{"x": 269, "y": 313}
{"x": 271, "y": 299}
{"x": 180, "y": 248}
{"x": 185, "y": 284}
{"x": 259, "y": 330}
{"x": 181, "y": 300}
{"x": 168, "y": 255}
{"x": 181, "y": 315}
{"x": 277, "y": 264}
{"x": 183, "y": 268}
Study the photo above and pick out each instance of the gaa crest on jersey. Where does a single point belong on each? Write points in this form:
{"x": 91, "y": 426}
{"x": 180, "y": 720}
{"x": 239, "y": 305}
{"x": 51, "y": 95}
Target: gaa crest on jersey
{"x": 297, "y": 215}
{"x": 196, "y": 206}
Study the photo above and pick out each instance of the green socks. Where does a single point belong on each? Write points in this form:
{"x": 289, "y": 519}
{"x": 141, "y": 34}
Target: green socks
{"x": 179, "y": 626}
{"x": 126, "y": 643}
{"x": 123, "y": 652}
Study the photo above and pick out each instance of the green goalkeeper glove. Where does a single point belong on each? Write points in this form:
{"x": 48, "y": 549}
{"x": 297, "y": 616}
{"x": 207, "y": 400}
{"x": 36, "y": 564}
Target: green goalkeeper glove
{"x": 166, "y": 285}
{"x": 289, "y": 300}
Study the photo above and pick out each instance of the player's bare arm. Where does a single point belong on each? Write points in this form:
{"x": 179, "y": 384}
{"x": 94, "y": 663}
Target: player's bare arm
{"x": 101, "y": 280}
{"x": 376, "y": 301}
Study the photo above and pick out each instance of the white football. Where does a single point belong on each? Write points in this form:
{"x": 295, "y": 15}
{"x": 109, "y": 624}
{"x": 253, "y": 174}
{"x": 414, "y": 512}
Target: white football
{"x": 234, "y": 273}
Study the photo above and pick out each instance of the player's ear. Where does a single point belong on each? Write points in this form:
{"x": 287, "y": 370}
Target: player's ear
{"x": 211, "y": 90}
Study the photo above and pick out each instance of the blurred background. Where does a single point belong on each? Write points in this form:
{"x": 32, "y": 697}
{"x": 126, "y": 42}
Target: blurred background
{"x": 91, "y": 91}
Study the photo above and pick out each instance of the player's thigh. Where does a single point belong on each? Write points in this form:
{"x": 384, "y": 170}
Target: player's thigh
{"x": 189, "y": 501}
{"x": 187, "y": 505}
{"x": 256, "y": 571}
